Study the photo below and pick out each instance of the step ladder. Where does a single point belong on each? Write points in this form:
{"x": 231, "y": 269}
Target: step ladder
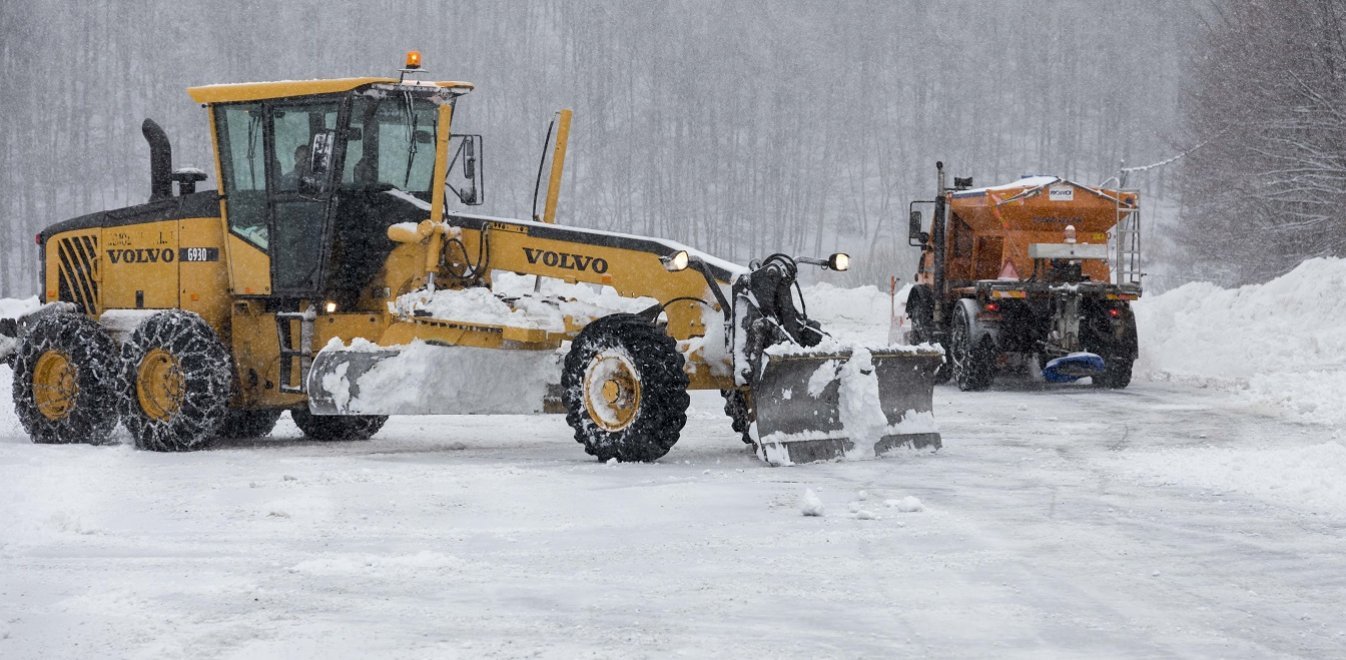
{"x": 1126, "y": 242}
{"x": 292, "y": 353}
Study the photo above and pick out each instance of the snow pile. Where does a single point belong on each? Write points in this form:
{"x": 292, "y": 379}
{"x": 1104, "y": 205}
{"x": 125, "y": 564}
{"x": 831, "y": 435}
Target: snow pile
{"x": 859, "y": 315}
{"x": 1305, "y": 478}
{"x": 1282, "y": 344}
{"x": 13, "y": 308}
{"x": 512, "y": 301}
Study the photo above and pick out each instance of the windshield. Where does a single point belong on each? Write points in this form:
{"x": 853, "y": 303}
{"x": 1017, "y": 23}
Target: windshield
{"x": 391, "y": 140}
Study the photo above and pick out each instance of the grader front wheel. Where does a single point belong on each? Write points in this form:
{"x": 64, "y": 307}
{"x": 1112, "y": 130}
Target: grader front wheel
{"x": 64, "y": 375}
{"x": 624, "y": 389}
{"x": 337, "y": 427}
{"x": 176, "y": 376}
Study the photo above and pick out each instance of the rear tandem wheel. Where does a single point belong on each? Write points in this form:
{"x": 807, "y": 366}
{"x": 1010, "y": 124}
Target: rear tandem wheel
{"x": 65, "y": 375}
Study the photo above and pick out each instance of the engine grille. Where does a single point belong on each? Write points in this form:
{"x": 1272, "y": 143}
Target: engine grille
{"x": 77, "y": 274}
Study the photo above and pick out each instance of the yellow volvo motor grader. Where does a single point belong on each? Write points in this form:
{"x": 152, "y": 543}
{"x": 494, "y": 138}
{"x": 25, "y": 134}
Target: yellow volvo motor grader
{"x": 327, "y": 276}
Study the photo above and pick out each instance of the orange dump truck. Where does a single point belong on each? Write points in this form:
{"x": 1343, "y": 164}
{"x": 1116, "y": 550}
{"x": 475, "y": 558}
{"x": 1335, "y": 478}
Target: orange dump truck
{"x": 1039, "y": 268}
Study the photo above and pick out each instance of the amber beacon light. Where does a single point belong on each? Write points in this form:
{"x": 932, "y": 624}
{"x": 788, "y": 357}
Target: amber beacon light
{"x": 413, "y": 59}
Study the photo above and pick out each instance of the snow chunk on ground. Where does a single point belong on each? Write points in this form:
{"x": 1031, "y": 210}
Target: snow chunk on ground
{"x": 810, "y": 504}
{"x": 906, "y": 504}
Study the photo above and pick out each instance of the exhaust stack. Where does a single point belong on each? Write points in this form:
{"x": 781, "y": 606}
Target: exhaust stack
{"x": 161, "y": 160}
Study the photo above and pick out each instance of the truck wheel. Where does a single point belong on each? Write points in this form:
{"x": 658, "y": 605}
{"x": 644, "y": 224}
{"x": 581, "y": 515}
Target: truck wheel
{"x": 972, "y": 367}
{"x": 921, "y": 313}
{"x": 337, "y": 427}
{"x": 740, "y": 414}
{"x": 624, "y": 389}
{"x": 176, "y": 377}
{"x": 65, "y": 381}
{"x": 1116, "y": 344}
{"x": 248, "y": 424}
{"x": 1116, "y": 373}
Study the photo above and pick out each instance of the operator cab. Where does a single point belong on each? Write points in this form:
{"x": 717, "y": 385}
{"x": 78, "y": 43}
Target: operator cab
{"x": 314, "y": 172}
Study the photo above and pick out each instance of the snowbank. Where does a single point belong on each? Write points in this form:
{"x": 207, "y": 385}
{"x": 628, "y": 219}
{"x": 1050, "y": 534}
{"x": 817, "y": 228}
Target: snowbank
{"x": 11, "y": 308}
{"x": 859, "y": 315}
{"x": 1282, "y": 344}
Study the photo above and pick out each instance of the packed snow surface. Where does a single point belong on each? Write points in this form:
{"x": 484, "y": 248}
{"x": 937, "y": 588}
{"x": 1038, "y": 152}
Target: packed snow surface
{"x": 1185, "y": 516}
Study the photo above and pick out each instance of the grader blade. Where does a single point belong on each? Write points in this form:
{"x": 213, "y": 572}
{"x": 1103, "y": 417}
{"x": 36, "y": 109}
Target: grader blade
{"x": 852, "y": 404}
{"x": 429, "y": 379}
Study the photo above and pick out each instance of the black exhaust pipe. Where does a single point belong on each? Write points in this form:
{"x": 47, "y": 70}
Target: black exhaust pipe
{"x": 161, "y": 160}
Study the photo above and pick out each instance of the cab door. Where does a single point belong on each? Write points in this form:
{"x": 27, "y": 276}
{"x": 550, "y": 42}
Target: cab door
{"x": 300, "y": 193}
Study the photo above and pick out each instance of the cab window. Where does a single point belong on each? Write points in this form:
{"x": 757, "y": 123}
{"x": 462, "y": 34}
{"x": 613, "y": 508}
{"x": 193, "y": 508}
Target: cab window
{"x": 391, "y": 142}
{"x": 239, "y": 129}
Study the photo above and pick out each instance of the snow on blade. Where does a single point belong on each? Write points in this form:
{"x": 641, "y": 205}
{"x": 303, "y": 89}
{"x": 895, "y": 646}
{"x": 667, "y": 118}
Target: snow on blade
{"x": 426, "y": 379}
{"x": 860, "y": 409}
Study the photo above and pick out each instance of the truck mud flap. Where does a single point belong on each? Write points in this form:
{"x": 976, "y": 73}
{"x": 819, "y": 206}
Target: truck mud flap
{"x": 852, "y": 404}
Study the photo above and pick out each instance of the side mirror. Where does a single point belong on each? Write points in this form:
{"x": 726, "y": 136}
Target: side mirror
{"x": 915, "y": 227}
{"x": 467, "y": 180}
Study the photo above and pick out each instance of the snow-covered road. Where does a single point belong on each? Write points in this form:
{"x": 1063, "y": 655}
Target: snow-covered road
{"x": 1060, "y": 522}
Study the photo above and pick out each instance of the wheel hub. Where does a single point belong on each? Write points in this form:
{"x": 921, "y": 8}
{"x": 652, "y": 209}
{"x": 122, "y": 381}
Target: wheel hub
{"x": 160, "y": 384}
{"x": 55, "y": 385}
{"x": 612, "y": 390}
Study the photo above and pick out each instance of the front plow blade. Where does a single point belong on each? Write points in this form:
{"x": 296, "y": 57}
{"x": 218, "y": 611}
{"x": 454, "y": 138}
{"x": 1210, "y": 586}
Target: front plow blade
{"x": 852, "y": 404}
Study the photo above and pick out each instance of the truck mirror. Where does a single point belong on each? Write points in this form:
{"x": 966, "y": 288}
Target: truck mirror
{"x": 470, "y": 160}
{"x": 915, "y": 228}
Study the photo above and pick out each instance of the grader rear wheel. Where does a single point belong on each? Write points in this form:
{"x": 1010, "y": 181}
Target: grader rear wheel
{"x": 64, "y": 381}
{"x": 624, "y": 389}
{"x": 176, "y": 375}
